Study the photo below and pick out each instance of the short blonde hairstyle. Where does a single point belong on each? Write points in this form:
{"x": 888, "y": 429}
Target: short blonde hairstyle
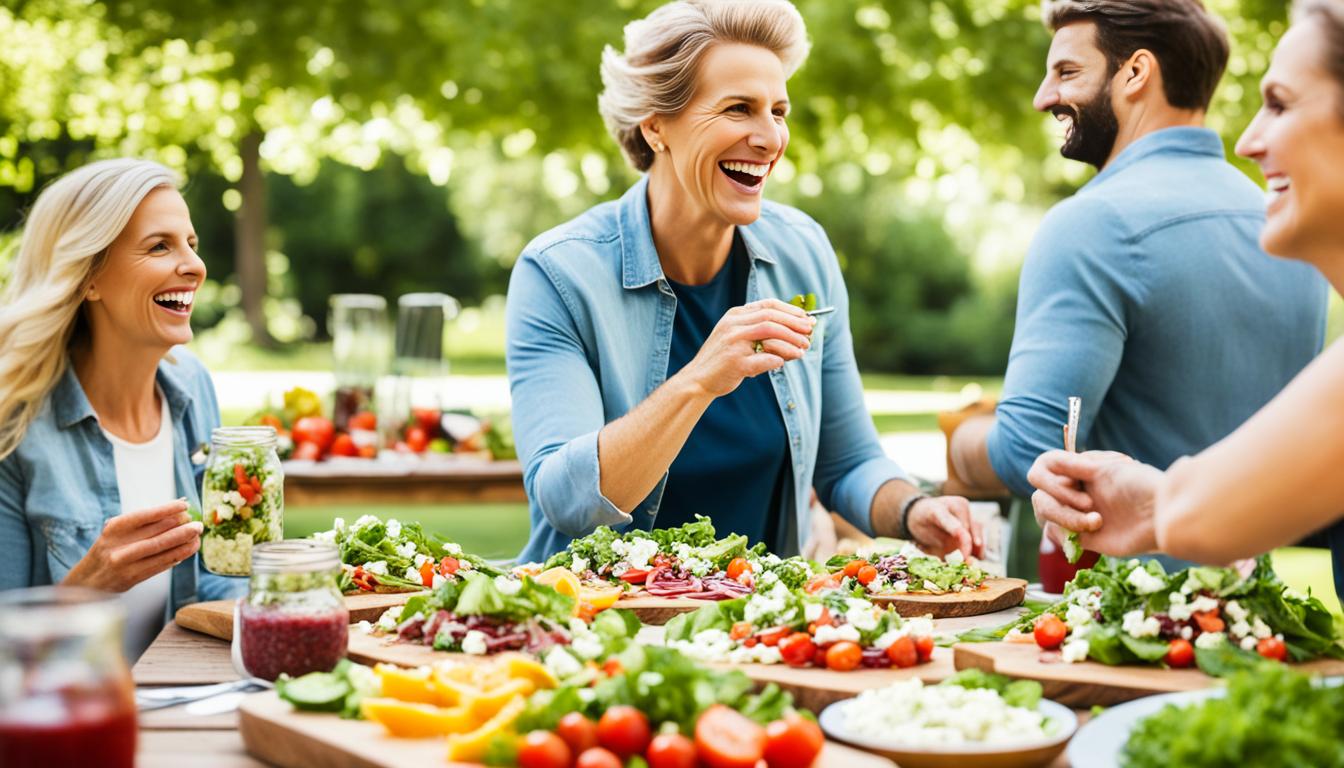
{"x": 656, "y": 74}
{"x": 65, "y": 243}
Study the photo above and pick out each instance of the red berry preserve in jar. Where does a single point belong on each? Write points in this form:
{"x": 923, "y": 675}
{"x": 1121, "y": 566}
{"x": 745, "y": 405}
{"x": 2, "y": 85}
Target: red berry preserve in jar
{"x": 294, "y": 620}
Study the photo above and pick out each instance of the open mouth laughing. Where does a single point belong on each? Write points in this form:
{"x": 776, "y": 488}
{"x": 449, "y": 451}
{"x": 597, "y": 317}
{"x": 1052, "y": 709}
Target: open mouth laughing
{"x": 1277, "y": 186}
{"x": 747, "y": 175}
{"x": 177, "y": 302}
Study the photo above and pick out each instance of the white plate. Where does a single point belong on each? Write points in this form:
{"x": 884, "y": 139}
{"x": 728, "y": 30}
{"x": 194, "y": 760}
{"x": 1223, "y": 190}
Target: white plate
{"x": 1100, "y": 742}
{"x": 832, "y": 722}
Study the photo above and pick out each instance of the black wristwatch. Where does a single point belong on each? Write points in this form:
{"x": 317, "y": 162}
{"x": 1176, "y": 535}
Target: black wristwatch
{"x": 906, "y": 506}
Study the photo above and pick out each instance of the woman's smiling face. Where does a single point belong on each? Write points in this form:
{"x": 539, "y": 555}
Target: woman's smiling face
{"x": 725, "y": 143}
{"x": 1297, "y": 138}
{"x": 145, "y": 289}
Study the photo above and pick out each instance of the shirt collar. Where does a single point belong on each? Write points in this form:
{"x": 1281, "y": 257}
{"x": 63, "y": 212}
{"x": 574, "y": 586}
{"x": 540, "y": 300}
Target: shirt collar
{"x": 71, "y": 406}
{"x": 639, "y": 258}
{"x": 1179, "y": 140}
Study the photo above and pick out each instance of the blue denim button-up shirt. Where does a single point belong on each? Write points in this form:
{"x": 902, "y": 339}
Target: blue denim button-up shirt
{"x": 60, "y": 486}
{"x": 589, "y": 329}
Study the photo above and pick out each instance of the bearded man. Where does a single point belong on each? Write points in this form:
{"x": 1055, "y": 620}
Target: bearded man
{"x": 1146, "y": 293}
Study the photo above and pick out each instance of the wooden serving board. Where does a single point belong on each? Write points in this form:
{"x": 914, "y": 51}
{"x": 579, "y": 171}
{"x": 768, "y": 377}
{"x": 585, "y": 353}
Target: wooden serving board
{"x": 1086, "y": 683}
{"x": 215, "y": 618}
{"x": 659, "y": 610}
{"x": 273, "y": 732}
{"x": 812, "y": 687}
{"x": 994, "y": 594}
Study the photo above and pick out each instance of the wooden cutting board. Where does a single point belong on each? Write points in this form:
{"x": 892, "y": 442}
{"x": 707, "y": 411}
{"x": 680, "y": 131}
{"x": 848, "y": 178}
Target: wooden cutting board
{"x": 273, "y": 732}
{"x": 1086, "y": 683}
{"x": 659, "y": 610}
{"x": 993, "y": 595}
{"x": 215, "y": 618}
{"x": 812, "y": 688}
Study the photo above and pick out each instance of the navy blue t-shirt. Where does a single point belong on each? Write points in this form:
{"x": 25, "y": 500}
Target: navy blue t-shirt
{"x": 733, "y": 464}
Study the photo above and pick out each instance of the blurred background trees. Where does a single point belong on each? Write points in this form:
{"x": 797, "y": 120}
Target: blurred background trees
{"x": 347, "y": 145}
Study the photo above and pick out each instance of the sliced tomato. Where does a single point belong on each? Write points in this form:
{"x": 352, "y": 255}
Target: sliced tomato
{"x": 427, "y": 573}
{"x": 737, "y": 567}
{"x": 793, "y": 742}
{"x": 903, "y": 652}
{"x": 612, "y": 667}
{"x": 1272, "y": 648}
{"x": 797, "y": 649}
{"x": 362, "y": 579}
{"x": 1210, "y": 621}
{"x": 823, "y": 581}
{"x": 239, "y": 475}
{"x": 740, "y": 630}
{"x": 449, "y": 565}
{"x": 635, "y": 575}
{"x": 924, "y": 647}
{"x": 771, "y": 637}
{"x": 724, "y": 738}
{"x": 853, "y": 566}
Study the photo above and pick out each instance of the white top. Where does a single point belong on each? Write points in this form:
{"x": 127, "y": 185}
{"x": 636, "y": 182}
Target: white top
{"x": 145, "y": 479}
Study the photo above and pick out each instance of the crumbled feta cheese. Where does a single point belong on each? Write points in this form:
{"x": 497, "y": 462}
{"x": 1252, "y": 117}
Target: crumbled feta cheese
{"x": 900, "y": 585}
{"x": 861, "y": 613}
{"x": 388, "y": 620}
{"x": 562, "y": 664}
{"x": 929, "y": 586}
{"x": 412, "y": 573}
{"x": 770, "y": 559}
{"x": 954, "y": 557}
{"x": 828, "y": 634}
{"x": 437, "y": 580}
{"x": 1077, "y": 616}
{"x": 579, "y": 565}
{"x": 587, "y": 646}
{"x": 1239, "y": 629}
{"x": 421, "y": 559}
{"x": 919, "y": 626}
{"x": 697, "y": 566}
{"x": 406, "y": 549}
{"x": 637, "y": 552}
{"x": 1210, "y": 640}
{"x": 714, "y": 645}
{"x": 1144, "y": 582}
{"x": 1260, "y": 629}
{"x": 767, "y": 580}
{"x": 763, "y": 609}
{"x": 1203, "y": 604}
{"x": 338, "y": 524}
{"x": 1187, "y": 633}
{"x": 393, "y": 529}
{"x": 812, "y": 611}
{"x": 365, "y": 521}
{"x": 1248, "y": 643}
{"x": 364, "y": 626}
{"x": 911, "y": 713}
{"x": 452, "y": 549}
{"x": 1136, "y": 625}
{"x": 474, "y": 643}
{"x": 377, "y": 566}
{"x": 224, "y": 512}
{"x": 507, "y": 585}
{"x": 236, "y": 499}
{"x": 1179, "y": 609}
{"x": 1075, "y": 650}
{"x": 1234, "y": 610}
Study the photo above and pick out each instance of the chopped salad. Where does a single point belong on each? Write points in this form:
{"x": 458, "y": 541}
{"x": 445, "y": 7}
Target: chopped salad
{"x": 393, "y": 556}
{"x": 906, "y": 570}
{"x": 242, "y": 494}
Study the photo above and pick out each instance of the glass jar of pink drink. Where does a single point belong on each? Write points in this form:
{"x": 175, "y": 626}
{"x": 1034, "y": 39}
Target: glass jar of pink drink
{"x": 294, "y": 619}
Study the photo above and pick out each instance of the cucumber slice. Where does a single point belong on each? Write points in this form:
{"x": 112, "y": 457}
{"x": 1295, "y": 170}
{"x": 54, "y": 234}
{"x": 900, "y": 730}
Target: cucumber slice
{"x": 315, "y": 691}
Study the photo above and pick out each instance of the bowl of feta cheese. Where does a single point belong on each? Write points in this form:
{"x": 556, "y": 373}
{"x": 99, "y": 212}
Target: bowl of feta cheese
{"x": 940, "y": 726}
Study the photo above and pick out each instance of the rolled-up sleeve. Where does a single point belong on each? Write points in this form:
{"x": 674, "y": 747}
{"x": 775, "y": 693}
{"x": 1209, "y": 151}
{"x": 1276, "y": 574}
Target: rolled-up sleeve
{"x": 1068, "y": 341}
{"x": 851, "y": 465}
{"x": 557, "y": 404}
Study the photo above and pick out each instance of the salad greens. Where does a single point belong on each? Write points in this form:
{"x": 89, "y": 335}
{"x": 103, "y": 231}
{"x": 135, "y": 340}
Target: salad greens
{"x": 1015, "y": 693}
{"x": 603, "y": 550}
{"x": 340, "y": 690}
{"x": 907, "y": 570}
{"x": 479, "y": 594}
{"x": 1271, "y": 716}
{"x": 391, "y": 552}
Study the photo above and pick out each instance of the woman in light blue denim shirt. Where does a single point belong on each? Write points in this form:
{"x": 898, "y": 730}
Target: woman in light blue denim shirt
{"x": 100, "y": 409}
{"x": 698, "y": 100}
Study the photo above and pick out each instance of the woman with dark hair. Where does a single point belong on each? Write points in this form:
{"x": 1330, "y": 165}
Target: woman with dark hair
{"x": 1278, "y": 477}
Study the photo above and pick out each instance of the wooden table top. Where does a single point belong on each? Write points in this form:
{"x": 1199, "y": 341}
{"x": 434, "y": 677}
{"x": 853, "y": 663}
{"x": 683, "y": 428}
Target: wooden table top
{"x": 172, "y": 738}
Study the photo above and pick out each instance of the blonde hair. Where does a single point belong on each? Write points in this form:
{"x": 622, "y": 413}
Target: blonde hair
{"x": 656, "y": 74}
{"x": 65, "y": 242}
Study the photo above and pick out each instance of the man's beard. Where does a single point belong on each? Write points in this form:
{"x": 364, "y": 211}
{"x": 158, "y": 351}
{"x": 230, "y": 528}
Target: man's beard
{"x": 1093, "y": 132}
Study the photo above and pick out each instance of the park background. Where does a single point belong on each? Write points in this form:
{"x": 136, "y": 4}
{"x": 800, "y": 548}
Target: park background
{"x": 351, "y": 146}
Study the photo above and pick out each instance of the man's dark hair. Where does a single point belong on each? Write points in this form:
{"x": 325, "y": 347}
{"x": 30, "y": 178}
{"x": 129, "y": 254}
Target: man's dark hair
{"x": 1189, "y": 42}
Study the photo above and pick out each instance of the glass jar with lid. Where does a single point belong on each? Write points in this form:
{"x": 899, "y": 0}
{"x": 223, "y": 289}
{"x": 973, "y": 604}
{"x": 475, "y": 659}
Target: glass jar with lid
{"x": 65, "y": 691}
{"x": 294, "y": 619}
{"x": 242, "y": 498}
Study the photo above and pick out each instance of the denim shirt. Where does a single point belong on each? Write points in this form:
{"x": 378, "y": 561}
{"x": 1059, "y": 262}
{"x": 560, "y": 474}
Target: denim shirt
{"x": 60, "y": 486}
{"x": 589, "y": 328}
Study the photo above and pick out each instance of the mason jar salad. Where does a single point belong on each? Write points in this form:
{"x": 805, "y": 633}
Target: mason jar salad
{"x": 242, "y": 498}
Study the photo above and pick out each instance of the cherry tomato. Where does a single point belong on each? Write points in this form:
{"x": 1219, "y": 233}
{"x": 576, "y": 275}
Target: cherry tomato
{"x": 1180, "y": 653}
{"x": 771, "y": 637}
{"x": 822, "y": 581}
{"x": 623, "y": 730}
{"x": 578, "y": 731}
{"x": 737, "y": 567}
{"x": 543, "y": 749}
{"x": 724, "y": 738}
{"x": 364, "y": 420}
{"x": 924, "y": 647}
{"x": 307, "y": 451}
{"x": 903, "y": 652}
{"x": 448, "y": 566}
{"x": 793, "y": 742}
{"x": 315, "y": 429}
{"x": 417, "y": 439}
{"x": 635, "y": 575}
{"x": 239, "y": 476}
{"x": 612, "y": 667}
{"x": 740, "y": 630}
{"x": 866, "y": 575}
{"x": 671, "y": 750}
{"x": 1272, "y": 648}
{"x": 1209, "y": 621}
{"x": 428, "y": 419}
{"x": 368, "y": 451}
{"x": 852, "y": 568}
{"x": 427, "y": 573}
{"x": 797, "y": 649}
{"x": 343, "y": 445}
{"x": 597, "y": 757}
{"x": 1050, "y": 631}
{"x": 843, "y": 656}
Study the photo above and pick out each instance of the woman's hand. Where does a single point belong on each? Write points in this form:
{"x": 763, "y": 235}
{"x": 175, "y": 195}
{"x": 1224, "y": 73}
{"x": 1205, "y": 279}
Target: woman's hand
{"x": 748, "y": 341}
{"x": 944, "y": 523}
{"x": 1106, "y": 497}
{"x": 137, "y": 545}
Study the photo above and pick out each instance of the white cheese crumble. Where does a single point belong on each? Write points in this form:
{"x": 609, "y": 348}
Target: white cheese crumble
{"x": 1248, "y": 643}
{"x": 507, "y": 585}
{"x": 812, "y": 611}
{"x": 412, "y": 573}
{"x": 1210, "y": 640}
{"x": 1074, "y": 651}
{"x": 474, "y": 643}
{"x": 914, "y": 714}
{"x": 393, "y": 529}
{"x": 579, "y": 565}
{"x": 714, "y": 645}
{"x": 1260, "y": 629}
{"x": 562, "y": 664}
{"x": 1135, "y": 624}
{"x": 1235, "y": 611}
{"x": 861, "y": 613}
{"x": 831, "y": 634}
{"x": 452, "y": 549}
{"x": 377, "y": 566}
{"x": 388, "y": 621}
{"x": 637, "y": 552}
{"x": 406, "y": 549}
{"x": 1144, "y": 582}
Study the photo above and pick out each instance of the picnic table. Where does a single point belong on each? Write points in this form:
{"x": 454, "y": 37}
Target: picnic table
{"x": 446, "y": 479}
{"x": 172, "y": 738}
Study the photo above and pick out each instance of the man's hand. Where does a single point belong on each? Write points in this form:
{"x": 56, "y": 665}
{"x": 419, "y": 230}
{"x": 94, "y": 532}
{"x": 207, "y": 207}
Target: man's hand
{"x": 137, "y": 545}
{"x": 1106, "y": 497}
{"x": 942, "y": 524}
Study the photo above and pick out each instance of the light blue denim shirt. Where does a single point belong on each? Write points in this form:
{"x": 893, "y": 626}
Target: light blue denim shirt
{"x": 589, "y": 329}
{"x": 1147, "y": 295}
{"x": 60, "y": 485}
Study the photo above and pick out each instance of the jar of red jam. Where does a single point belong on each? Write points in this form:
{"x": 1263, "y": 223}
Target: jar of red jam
{"x": 66, "y": 696}
{"x": 293, "y": 620}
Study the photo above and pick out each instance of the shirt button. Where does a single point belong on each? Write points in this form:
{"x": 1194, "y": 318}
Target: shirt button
{"x": 791, "y": 405}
